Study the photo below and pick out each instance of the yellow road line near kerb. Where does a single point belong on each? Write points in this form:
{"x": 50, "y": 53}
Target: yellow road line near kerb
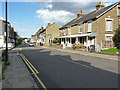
{"x": 41, "y": 83}
{"x": 30, "y": 64}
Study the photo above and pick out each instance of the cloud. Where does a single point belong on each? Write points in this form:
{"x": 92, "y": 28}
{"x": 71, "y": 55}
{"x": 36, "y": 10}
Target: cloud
{"x": 49, "y": 6}
{"x": 60, "y": 17}
{"x": 74, "y": 7}
{"x": 22, "y": 30}
{"x": 63, "y": 12}
{"x": 2, "y": 18}
{"x": 55, "y": 0}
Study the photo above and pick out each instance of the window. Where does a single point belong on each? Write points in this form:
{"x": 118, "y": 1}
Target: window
{"x": 118, "y": 10}
{"x": 64, "y": 32}
{"x": 69, "y": 31}
{"x": 89, "y": 27}
{"x": 108, "y": 37}
{"x": 108, "y": 25}
{"x": 80, "y": 29}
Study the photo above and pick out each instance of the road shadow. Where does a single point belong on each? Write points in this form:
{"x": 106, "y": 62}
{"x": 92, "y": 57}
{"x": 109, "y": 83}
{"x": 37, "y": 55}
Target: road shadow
{"x": 60, "y": 71}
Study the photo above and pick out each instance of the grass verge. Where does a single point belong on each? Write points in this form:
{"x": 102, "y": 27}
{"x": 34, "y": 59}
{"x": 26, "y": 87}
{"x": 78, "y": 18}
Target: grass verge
{"x": 110, "y": 51}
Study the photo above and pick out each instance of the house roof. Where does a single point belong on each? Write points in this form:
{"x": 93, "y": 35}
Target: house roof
{"x": 96, "y": 14}
{"x": 50, "y": 25}
{"x": 70, "y": 23}
{"x": 42, "y": 30}
{"x": 90, "y": 16}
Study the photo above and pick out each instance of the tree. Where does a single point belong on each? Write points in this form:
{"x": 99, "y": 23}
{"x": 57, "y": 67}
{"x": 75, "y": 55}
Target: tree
{"x": 20, "y": 39}
{"x": 116, "y": 38}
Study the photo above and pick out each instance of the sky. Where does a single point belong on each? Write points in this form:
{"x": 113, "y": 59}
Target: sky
{"x": 28, "y": 16}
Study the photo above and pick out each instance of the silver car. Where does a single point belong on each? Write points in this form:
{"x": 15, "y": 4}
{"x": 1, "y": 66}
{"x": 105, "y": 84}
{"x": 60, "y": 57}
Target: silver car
{"x": 31, "y": 44}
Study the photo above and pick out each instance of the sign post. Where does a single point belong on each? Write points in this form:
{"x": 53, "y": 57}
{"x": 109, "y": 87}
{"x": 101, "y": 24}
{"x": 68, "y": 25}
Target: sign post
{"x": 6, "y": 27}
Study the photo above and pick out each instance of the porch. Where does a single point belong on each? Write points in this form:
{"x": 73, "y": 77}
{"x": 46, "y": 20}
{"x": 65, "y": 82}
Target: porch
{"x": 85, "y": 39}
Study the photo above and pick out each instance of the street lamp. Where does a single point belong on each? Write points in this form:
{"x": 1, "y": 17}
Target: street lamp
{"x": 6, "y": 58}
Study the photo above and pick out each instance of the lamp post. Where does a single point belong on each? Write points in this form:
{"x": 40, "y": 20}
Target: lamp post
{"x": 6, "y": 58}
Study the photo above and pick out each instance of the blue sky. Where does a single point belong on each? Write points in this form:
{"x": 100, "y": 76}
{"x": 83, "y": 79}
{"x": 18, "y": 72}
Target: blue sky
{"x": 22, "y": 16}
{"x": 28, "y": 17}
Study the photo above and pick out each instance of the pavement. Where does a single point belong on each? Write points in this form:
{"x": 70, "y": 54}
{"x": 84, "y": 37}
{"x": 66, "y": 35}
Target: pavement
{"x": 102, "y": 56}
{"x": 0, "y": 69}
{"x": 17, "y": 75}
{"x": 58, "y": 69}
{"x": 0, "y": 74}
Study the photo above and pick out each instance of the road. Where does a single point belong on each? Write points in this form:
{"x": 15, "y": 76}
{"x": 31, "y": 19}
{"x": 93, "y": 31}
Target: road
{"x": 59, "y": 69}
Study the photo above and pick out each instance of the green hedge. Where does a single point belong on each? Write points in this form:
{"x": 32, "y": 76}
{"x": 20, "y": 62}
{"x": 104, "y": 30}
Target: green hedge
{"x": 56, "y": 41}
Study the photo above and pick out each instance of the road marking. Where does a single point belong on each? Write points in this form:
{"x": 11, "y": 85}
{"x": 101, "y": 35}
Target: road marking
{"x": 39, "y": 80}
{"x": 31, "y": 64}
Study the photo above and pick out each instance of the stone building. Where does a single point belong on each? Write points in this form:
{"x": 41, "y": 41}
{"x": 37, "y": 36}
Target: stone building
{"x": 47, "y": 35}
{"x": 95, "y": 28}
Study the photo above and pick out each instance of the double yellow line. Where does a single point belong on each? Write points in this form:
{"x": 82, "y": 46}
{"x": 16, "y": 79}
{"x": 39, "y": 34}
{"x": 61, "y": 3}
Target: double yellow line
{"x": 34, "y": 71}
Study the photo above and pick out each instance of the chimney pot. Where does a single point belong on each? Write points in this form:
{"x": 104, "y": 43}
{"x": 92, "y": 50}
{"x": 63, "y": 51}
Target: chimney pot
{"x": 48, "y": 24}
{"x": 41, "y": 28}
{"x": 80, "y": 14}
{"x": 100, "y": 5}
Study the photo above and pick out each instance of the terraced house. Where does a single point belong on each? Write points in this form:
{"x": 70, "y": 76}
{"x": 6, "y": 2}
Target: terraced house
{"x": 47, "y": 35}
{"x": 95, "y": 28}
{"x": 12, "y": 35}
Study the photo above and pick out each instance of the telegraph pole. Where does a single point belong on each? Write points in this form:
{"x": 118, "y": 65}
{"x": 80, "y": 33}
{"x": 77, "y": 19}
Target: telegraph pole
{"x": 6, "y": 57}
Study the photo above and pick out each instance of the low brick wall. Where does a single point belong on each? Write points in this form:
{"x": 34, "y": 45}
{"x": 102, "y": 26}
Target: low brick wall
{"x": 0, "y": 70}
{"x": 1, "y": 62}
{"x": 0, "y": 53}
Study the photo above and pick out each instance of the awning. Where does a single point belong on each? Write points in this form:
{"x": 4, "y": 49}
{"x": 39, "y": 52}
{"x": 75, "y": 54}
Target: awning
{"x": 93, "y": 34}
{"x": 79, "y": 35}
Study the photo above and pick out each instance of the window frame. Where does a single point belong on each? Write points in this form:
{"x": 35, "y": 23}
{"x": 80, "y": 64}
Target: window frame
{"x": 118, "y": 10}
{"x": 108, "y": 35}
{"x": 106, "y": 27}
{"x": 69, "y": 31}
{"x": 89, "y": 26}
{"x": 80, "y": 28}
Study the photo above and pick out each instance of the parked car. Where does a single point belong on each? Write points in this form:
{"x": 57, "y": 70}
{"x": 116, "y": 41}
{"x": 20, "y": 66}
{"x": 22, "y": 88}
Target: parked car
{"x": 31, "y": 44}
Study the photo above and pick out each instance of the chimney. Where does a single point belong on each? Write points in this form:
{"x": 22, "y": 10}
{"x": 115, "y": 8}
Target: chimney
{"x": 100, "y": 5}
{"x": 42, "y": 28}
{"x": 80, "y": 14}
{"x": 48, "y": 24}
